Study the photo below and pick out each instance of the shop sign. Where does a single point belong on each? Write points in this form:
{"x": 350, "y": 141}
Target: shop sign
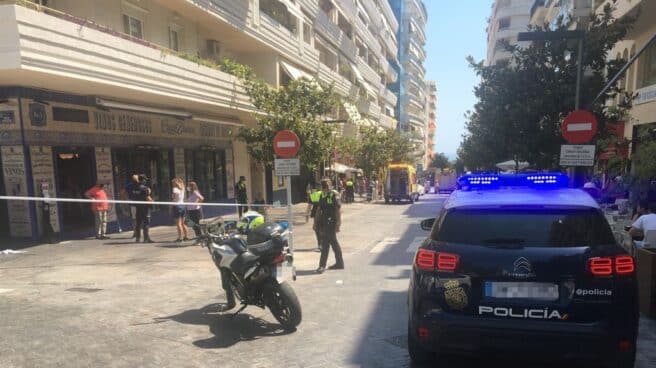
{"x": 38, "y": 114}
{"x": 176, "y": 127}
{"x": 645, "y": 95}
{"x": 104, "y": 175}
{"x": 107, "y": 121}
{"x": 43, "y": 176}
{"x": 7, "y": 117}
{"x": 13, "y": 165}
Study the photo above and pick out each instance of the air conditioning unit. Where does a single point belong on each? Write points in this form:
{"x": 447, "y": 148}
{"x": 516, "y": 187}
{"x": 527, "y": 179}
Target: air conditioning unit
{"x": 213, "y": 49}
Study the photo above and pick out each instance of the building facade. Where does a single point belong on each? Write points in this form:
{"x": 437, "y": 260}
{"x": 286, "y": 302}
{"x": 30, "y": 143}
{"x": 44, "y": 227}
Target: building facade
{"x": 411, "y": 110}
{"x": 431, "y": 118}
{"x": 640, "y": 78}
{"x": 508, "y": 18}
{"x": 97, "y": 90}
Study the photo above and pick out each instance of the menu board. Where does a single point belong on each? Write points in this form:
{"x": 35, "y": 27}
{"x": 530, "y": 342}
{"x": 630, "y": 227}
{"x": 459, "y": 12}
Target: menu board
{"x": 13, "y": 167}
{"x": 104, "y": 175}
{"x": 43, "y": 175}
{"x": 230, "y": 172}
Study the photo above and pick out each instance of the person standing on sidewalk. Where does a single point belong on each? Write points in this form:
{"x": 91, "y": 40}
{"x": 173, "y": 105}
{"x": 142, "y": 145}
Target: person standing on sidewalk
{"x": 178, "y": 196}
{"x": 350, "y": 191}
{"x": 99, "y": 207}
{"x": 130, "y": 189}
{"x": 328, "y": 221}
{"x": 194, "y": 210}
{"x": 315, "y": 198}
{"x": 242, "y": 195}
{"x": 142, "y": 193}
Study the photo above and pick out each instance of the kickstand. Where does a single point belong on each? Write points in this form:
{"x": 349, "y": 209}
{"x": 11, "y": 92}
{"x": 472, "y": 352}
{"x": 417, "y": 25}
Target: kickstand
{"x": 243, "y": 306}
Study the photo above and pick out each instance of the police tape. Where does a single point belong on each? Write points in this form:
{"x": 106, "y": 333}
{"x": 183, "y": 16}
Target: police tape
{"x": 129, "y": 202}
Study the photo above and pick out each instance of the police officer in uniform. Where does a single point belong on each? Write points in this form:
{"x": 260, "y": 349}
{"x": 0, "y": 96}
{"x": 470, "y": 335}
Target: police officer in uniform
{"x": 328, "y": 221}
{"x": 242, "y": 195}
{"x": 142, "y": 193}
{"x": 315, "y": 198}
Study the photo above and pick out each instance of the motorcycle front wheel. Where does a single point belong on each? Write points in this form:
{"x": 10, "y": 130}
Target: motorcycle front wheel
{"x": 283, "y": 304}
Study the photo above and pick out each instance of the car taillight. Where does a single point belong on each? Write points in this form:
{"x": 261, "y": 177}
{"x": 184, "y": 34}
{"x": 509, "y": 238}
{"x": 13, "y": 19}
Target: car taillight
{"x": 425, "y": 259}
{"x": 447, "y": 261}
{"x": 428, "y": 260}
{"x": 279, "y": 259}
{"x": 601, "y": 266}
{"x": 607, "y": 266}
{"x": 624, "y": 265}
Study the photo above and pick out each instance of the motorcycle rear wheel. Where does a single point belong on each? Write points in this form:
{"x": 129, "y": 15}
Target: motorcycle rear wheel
{"x": 283, "y": 304}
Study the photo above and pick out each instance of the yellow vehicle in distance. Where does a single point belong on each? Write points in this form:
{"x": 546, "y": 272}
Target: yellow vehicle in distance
{"x": 401, "y": 183}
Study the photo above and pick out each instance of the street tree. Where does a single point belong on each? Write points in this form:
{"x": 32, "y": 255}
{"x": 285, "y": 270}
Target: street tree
{"x": 440, "y": 161}
{"x": 521, "y": 103}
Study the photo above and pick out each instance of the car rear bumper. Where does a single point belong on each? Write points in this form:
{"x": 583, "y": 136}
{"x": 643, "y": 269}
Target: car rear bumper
{"x": 448, "y": 333}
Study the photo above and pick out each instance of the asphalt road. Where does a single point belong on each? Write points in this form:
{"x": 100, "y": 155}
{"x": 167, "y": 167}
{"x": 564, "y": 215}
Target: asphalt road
{"x": 118, "y": 304}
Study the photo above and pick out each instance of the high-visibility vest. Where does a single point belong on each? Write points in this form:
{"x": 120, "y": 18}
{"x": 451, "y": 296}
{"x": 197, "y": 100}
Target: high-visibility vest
{"x": 349, "y": 183}
{"x": 315, "y": 196}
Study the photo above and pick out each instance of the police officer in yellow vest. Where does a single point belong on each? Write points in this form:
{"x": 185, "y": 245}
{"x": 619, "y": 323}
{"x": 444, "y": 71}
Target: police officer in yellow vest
{"x": 350, "y": 191}
{"x": 315, "y": 197}
{"x": 328, "y": 221}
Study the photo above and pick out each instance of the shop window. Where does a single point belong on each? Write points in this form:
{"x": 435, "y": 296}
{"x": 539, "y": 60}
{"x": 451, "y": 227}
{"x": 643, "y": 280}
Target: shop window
{"x": 70, "y": 115}
{"x": 649, "y": 69}
{"x": 132, "y": 26}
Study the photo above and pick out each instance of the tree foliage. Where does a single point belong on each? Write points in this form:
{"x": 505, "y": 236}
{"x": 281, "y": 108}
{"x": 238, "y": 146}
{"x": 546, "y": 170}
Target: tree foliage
{"x": 300, "y": 107}
{"x": 440, "y": 161}
{"x": 375, "y": 148}
{"x": 521, "y": 104}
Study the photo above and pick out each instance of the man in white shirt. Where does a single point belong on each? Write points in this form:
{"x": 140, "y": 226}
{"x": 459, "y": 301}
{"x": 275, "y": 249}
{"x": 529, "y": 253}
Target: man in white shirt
{"x": 644, "y": 223}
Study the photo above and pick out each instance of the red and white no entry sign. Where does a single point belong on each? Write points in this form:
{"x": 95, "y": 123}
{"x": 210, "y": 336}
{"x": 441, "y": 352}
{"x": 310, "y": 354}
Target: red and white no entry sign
{"x": 579, "y": 127}
{"x": 286, "y": 144}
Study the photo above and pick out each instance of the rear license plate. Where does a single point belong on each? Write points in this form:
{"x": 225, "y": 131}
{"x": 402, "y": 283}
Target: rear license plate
{"x": 521, "y": 290}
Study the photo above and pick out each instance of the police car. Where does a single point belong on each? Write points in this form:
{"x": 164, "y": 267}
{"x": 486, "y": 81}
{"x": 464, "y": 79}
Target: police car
{"x": 522, "y": 265}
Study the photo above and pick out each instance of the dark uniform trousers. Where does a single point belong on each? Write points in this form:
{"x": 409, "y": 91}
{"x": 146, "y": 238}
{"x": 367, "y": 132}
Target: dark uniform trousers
{"x": 328, "y": 238}
{"x": 143, "y": 221}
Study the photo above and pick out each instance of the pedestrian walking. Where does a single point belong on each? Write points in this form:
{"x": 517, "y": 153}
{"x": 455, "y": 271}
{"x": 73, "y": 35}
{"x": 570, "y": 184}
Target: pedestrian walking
{"x": 99, "y": 207}
{"x": 142, "y": 193}
{"x": 194, "y": 210}
{"x": 130, "y": 188}
{"x": 178, "y": 196}
{"x": 328, "y": 222}
{"x": 242, "y": 196}
{"x": 350, "y": 191}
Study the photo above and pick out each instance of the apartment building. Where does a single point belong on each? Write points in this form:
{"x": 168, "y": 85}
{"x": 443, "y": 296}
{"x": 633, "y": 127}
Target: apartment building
{"x": 640, "y": 78}
{"x": 508, "y": 18}
{"x": 95, "y": 90}
{"x": 411, "y": 87}
{"x": 431, "y": 118}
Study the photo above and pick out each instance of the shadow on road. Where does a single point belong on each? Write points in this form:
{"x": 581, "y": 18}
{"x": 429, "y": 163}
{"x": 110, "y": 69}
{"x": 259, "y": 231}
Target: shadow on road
{"x": 227, "y": 330}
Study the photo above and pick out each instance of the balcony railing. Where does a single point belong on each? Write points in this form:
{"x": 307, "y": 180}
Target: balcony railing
{"x": 331, "y": 31}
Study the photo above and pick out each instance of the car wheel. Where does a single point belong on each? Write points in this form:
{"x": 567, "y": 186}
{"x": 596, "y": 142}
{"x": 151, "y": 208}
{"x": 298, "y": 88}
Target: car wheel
{"x": 417, "y": 353}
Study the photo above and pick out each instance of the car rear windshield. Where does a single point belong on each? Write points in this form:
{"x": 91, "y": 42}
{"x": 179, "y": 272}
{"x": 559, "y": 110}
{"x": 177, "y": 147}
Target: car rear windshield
{"x": 524, "y": 227}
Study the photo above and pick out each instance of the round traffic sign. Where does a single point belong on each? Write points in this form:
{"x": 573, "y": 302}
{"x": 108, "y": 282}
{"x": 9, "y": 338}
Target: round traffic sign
{"x": 286, "y": 144}
{"x": 579, "y": 127}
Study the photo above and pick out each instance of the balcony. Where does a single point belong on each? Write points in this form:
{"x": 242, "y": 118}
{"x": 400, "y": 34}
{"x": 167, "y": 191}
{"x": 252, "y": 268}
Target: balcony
{"x": 343, "y": 86}
{"x": 331, "y": 32}
{"x": 387, "y": 122}
{"x": 390, "y": 97}
{"x": 369, "y": 74}
{"x": 369, "y": 108}
{"x": 58, "y": 51}
{"x": 391, "y": 73}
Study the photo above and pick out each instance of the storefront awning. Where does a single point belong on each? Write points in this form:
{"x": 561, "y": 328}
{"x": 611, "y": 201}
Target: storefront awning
{"x": 342, "y": 169}
{"x": 295, "y": 72}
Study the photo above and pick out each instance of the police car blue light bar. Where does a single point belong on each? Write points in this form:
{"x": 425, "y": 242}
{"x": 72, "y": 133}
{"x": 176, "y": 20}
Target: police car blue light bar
{"x": 494, "y": 181}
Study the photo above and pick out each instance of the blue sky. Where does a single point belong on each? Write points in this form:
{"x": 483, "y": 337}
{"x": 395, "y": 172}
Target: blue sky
{"x": 455, "y": 29}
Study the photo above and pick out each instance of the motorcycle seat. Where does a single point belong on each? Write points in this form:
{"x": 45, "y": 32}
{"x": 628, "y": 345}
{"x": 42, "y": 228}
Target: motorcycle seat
{"x": 266, "y": 247}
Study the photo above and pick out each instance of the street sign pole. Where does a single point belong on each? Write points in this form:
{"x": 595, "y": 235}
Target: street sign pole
{"x": 290, "y": 215}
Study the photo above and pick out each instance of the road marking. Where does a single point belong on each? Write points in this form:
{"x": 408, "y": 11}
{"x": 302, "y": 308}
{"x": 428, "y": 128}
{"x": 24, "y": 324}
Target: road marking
{"x": 65, "y": 242}
{"x": 383, "y": 244}
{"x": 2, "y": 291}
{"x": 415, "y": 244}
